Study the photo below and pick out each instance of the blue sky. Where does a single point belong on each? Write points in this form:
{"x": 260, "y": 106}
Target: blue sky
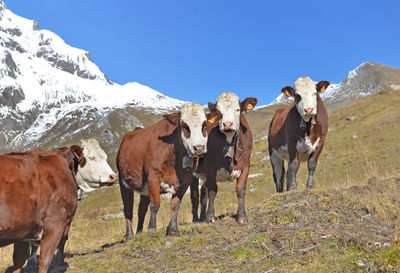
{"x": 194, "y": 50}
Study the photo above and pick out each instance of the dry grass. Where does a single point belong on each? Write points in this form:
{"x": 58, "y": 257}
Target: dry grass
{"x": 341, "y": 226}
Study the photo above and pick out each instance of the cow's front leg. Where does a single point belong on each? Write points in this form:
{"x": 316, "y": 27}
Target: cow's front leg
{"x": 172, "y": 228}
{"x": 291, "y": 173}
{"x": 142, "y": 210}
{"x": 212, "y": 189}
{"x": 241, "y": 192}
{"x": 203, "y": 202}
{"x": 278, "y": 170}
{"x": 312, "y": 165}
{"x": 194, "y": 197}
{"x": 154, "y": 192}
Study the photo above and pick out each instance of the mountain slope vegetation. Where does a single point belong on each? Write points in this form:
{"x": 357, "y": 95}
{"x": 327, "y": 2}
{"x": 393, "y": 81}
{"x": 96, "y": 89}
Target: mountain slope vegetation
{"x": 349, "y": 223}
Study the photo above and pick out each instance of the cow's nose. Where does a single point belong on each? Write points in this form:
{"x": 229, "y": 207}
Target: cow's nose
{"x": 227, "y": 124}
{"x": 199, "y": 149}
{"x": 113, "y": 177}
{"x": 308, "y": 110}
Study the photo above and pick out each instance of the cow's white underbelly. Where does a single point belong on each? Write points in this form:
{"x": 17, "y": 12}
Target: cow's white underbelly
{"x": 222, "y": 175}
{"x": 304, "y": 148}
{"x": 166, "y": 191}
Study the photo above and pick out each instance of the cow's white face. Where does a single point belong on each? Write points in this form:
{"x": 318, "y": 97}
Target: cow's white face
{"x": 95, "y": 172}
{"x": 229, "y": 106}
{"x": 305, "y": 93}
{"x": 306, "y": 97}
{"x": 193, "y": 121}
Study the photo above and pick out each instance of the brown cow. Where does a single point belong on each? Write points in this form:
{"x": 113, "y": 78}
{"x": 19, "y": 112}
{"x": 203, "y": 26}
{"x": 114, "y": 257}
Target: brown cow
{"x": 229, "y": 148}
{"x": 297, "y": 132}
{"x": 91, "y": 171}
{"x": 160, "y": 158}
{"x": 38, "y": 200}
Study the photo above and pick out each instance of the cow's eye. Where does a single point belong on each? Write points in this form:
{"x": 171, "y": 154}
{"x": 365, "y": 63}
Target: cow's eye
{"x": 204, "y": 128}
{"x": 297, "y": 97}
{"x": 185, "y": 127}
{"x": 237, "y": 110}
{"x": 92, "y": 158}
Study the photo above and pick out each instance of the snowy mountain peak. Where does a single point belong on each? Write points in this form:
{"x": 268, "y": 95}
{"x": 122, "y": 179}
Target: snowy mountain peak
{"x": 45, "y": 82}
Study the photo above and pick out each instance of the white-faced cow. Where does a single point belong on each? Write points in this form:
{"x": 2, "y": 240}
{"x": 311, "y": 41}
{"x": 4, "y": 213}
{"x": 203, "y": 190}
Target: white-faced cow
{"x": 94, "y": 172}
{"x": 229, "y": 148}
{"x": 161, "y": 158}
{"x": 297, "y": 132}
{"x": 91, "y": 171}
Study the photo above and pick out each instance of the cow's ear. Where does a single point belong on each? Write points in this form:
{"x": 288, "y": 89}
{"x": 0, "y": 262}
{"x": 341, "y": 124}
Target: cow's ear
{"x": 173, "y": 118}
{"x": 77, "y": 150}
{"x": 212, "y": 107}
{"x": 214, "y": 117}
{"x": 322, "y": 85}
{"x": 78, "y": 153}
{"x": 288, "y": 91}
{"x": 248, "y": 104}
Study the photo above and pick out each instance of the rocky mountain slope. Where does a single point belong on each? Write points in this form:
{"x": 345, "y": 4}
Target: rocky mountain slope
{"x": 367, "y": 79}
{"x": 52, "y": 93}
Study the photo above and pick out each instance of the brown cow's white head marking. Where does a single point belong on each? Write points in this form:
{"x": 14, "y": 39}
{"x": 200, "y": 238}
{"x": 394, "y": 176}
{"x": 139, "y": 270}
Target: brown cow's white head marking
{"x": 229, "y": 105}
{"x": 194, "y": 129}
{"x": 192, "y": 119}
{"x": 94, "y": 171}
{"x": 305, "y": 95}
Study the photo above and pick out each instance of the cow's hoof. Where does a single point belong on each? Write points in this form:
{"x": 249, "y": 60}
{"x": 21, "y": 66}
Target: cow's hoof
{"x": 210, "y": 219}
{"x": 172, "y": 232}
{"x": 242, "y": 220}
{"x": 63, "y": 267}
{"x": 128, "y": 237}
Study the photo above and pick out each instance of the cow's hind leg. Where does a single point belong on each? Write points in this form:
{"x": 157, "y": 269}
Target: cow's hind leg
{"x": 194, "y": 198}
{"x": 278, "y": 169}
{"x": 33, "y": 259}
{"x": 154, "y": 191}
{"x": 127, "y": 200}
{"x": 61, "y": 264}
{"x": 20, "y": 254}
{"x": 142, "y": 210}
{"x": 48, "y": 245}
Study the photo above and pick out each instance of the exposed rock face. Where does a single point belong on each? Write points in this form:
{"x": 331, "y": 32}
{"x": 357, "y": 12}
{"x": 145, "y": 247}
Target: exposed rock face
{"x": 52, "y": 94}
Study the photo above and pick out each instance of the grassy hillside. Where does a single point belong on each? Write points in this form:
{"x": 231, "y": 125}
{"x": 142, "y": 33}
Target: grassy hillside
{"x": 349, "y": 223}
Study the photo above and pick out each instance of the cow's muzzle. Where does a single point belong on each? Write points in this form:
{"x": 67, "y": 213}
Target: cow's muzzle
{"x": 199, "y": 149}
{"x": 227, "y": 126}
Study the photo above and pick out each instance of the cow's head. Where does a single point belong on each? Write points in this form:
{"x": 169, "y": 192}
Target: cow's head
{"x": 192, "y": 123}
{"x": 93, "y": 170}
{"x": 229, "y": 105}
{"x": 305, "y": 93}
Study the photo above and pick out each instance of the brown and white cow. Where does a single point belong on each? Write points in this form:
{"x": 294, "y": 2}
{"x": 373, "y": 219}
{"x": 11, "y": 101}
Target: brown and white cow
{"x": 161, "y": 158}
{"x": 88, "y": 164}
{"x": 297, "y": 132}
{"x": 38, "y": 200}
{"x": 229, "y": 148}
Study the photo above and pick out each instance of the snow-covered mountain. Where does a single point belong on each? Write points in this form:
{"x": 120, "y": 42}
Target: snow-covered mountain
{"x": 51, "y": 92}
{"x": 366, "y": 79}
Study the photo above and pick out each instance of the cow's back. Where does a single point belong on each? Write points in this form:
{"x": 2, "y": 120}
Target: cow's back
{"x": 33, "y": 187}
